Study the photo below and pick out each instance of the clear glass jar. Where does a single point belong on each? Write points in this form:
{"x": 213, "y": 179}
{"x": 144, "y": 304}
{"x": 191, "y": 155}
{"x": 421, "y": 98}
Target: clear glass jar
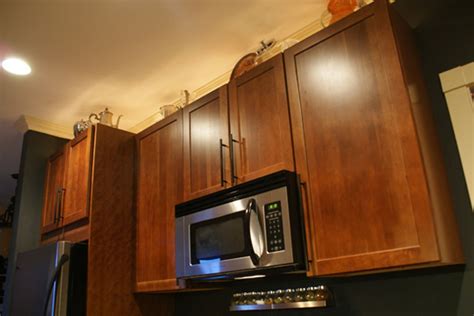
{"x": 278, "y": 298}
{"x": 259, "y": 298}
{"x": 244, "y": 298}
{"x": 251, "y": 298}
{"x": 310, "y": 293}
{"x": 322, "y": 293}
{"x": 236, "y": 299}
{"x": 289, "y": 296}
{"x": 268, "y": 298}
{"x": 300, "y": 295}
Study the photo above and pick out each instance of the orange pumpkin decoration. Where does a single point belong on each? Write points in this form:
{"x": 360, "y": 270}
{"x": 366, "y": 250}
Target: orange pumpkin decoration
{"x": 341, "y": 8}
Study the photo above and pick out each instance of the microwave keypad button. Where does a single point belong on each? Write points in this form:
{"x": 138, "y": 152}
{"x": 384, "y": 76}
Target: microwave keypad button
{"x": 273, "y": 224}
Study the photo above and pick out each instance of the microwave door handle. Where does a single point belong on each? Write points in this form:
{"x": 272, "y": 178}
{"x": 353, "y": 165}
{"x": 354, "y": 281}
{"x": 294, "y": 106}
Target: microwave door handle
{"x": 255, "y": 231}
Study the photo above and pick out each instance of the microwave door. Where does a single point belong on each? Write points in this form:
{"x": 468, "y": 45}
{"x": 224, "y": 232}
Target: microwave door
{"x": 220, "y": 239}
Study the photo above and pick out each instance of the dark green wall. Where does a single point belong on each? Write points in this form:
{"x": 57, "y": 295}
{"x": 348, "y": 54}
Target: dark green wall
{"x": 445, "y": 35}
{"x": 37, "y": 147}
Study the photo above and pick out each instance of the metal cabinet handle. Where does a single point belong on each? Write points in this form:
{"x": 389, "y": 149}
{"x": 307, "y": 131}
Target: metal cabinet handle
{"x": 60, "y": 203}
{"x": 221, "y": 146}
{"x": 307, "y": 229}
{"x": 255, "y": 231}
{"x": 56, "y": 205}
{"x": 232, "y": 160}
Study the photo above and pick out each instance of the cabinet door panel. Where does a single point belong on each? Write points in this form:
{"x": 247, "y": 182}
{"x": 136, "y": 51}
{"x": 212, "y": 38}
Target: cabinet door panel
{"x": 54, "y": 182}
{"x": 205, "y": 124}
{"x": 356, "y": 147}
{"x": 159, "y": 189}
{"x": 260, "y": 123}
{"x": 75, "y": 205}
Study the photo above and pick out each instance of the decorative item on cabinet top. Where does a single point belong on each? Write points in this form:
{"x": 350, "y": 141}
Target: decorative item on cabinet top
{"x": 81, "y": 126}
{"x": 244, "y": 64}
{"x": 168, "y": 109}
{"x": 338, "y": 9}
{"x": 105, "y": 117}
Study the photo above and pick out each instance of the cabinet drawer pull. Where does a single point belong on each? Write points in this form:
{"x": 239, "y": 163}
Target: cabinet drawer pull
{"x": 221, "y": 152}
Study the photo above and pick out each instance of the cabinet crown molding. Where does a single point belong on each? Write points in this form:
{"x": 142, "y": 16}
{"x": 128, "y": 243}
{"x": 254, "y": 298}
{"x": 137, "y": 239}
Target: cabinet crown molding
{"x": 26, "y": 123}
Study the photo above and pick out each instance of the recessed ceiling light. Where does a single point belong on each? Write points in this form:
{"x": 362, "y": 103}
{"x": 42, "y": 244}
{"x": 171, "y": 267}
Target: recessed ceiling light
{"x": 16, "y": 66}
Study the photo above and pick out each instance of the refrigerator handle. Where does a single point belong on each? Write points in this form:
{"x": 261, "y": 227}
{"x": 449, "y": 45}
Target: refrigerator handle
{"x": 64, "y": 258}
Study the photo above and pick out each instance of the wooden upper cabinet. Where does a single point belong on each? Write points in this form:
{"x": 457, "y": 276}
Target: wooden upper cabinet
{"x": 367, "y": 175}
{"x": 78, "y": 179}
{"x": 54, "y": 184}
{"x": 68, "y": 179}
{"x": 206, "y": 134}
{"x": 159, "y": 189}
{"x": 259, "y": 121}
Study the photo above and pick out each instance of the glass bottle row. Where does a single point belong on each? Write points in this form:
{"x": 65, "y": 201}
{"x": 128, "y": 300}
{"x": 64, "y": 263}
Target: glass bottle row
{"x": 308, "y": 294}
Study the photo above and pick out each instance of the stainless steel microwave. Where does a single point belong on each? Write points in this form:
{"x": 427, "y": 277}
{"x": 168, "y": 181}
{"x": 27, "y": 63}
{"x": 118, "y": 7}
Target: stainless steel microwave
{"x": 250, "y": 229}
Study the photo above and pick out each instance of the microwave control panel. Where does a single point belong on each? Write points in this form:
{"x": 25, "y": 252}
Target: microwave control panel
{"x": 274, "y": 227}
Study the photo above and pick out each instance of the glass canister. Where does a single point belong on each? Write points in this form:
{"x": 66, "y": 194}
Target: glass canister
{"x": 268, "y": 298}
{"x": 288, "y": 296}
{"x": 278, "y": 298}
{"x": 310, "y": 293}
{"x": 259, "y": 298}
{"x": 236, "y": 299}
{"x": 244, "y": 298}
{"x": 322, "y": 293}
{"x": 300, "y": 295}
{"x": 251, "y": 298}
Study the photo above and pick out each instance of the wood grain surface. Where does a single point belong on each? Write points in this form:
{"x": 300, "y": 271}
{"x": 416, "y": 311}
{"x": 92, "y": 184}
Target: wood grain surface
{"x": 259, "y": 121}
{"x": 357, "y": 149}
{"x": 205, "y": 122}
{"x": 54, "y": 181}
{"x": 76, "y": 196}
{"x": 159, "y": 189}
{"x": 435, "y": 171}
{"x": 112, "y": 223}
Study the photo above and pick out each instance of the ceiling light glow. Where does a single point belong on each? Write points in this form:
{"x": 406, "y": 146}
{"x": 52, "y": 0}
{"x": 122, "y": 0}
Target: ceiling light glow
{"x": 16, "y": 66}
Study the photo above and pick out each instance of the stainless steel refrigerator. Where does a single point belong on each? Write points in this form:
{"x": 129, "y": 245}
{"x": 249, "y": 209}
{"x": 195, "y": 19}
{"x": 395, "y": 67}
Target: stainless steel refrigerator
{"x": 51, "y": 280}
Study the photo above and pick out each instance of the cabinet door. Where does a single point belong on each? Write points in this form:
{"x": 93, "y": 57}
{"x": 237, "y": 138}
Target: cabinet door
{"x": 54, "y": 183}
{"x": 206, "y": 134}
{"x": 75, "y": 205}
{"x": 159, "y": 189}
{"x": 259, "y": 121}
{"x": 356, "y": 149}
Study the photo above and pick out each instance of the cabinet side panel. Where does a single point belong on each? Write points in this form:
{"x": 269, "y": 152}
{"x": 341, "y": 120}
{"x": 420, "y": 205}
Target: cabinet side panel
{"x": 445, "y": 222}
{"x": 112, "y": 239}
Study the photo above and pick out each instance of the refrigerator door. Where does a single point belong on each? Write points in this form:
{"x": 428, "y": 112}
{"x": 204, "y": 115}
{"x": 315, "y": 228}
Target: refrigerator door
{"x": 32, "y": 277}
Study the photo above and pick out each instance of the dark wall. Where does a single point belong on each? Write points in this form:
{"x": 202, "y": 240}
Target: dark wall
{"x": 37, "y": 147}
{"x": 445, "y": 35}
{"x": 446, "y": 40}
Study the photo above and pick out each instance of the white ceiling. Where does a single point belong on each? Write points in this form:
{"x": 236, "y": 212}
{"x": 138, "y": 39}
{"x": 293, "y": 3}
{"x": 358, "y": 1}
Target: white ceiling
{"x": 131, "y": 55}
